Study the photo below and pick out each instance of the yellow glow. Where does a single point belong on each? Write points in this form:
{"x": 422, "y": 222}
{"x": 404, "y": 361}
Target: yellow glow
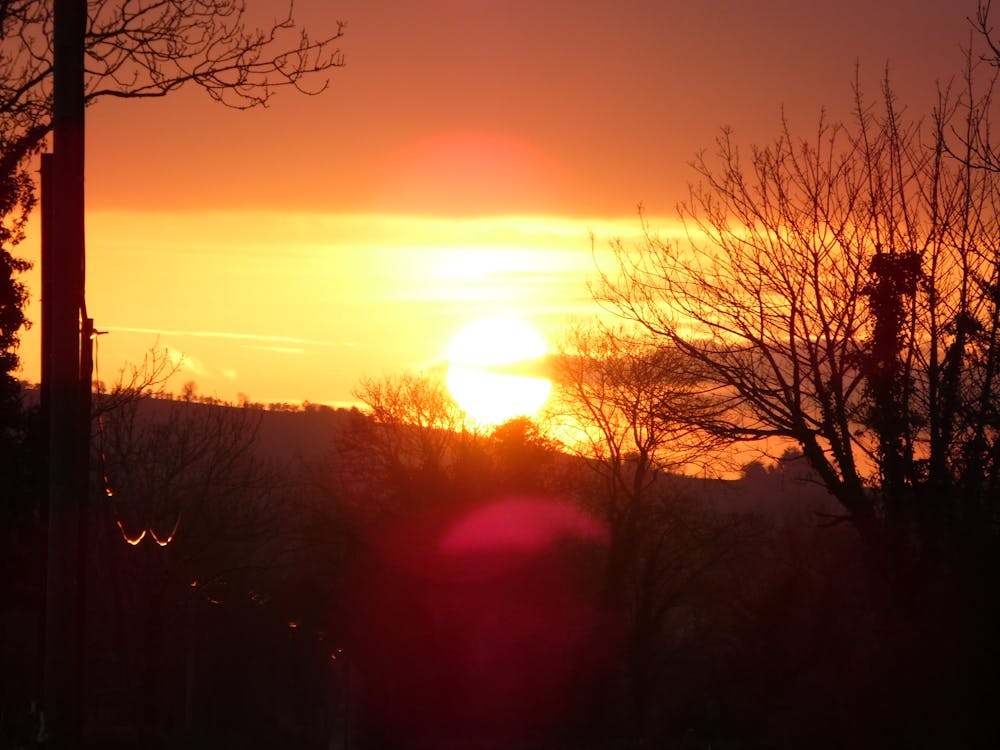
{"x": 293, "y": 306}
{"x": 477, "y": 351}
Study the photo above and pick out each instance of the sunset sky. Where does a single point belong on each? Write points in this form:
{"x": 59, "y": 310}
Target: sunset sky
{"x": 454, "y": 170}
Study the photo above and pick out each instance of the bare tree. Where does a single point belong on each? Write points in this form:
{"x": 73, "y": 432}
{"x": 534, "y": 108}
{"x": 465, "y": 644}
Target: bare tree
{"x": 630, "y": 403}
{"x": 840, "y": 293}
{"x": 140, "y": 49}
{"x": 629, "y": 408}
{"x": 416, "y": 419}
{"x": 975, "y": 138}
{"x": 55, "y": 58}
{"x": 186, "y": 515}
{"x": 150, "y": 48}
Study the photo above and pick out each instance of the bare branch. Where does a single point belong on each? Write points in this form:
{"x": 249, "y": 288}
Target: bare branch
{"x": 150, "y": 48}
{"x": 840, "y": 292}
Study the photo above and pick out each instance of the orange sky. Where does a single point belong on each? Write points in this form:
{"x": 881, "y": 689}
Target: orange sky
{"x": 454, "y": 170}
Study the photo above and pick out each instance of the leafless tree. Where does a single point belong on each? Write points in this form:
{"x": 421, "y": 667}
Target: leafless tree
{"x": 186, "y": 514}
{"x": 411, "y": 448}
{"x": 975, "y": 139}
{"x": 630, "y": 403}
{"x": 839, "y": 292}
{"x": 399, "y": 447}
{"x": 134, "y": 49}
{"x": 150, "y": 48}
{"x": 629, "y": 408}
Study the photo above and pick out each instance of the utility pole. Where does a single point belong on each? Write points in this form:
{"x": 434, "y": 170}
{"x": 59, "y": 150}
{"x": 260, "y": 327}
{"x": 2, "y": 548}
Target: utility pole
{"x": 68, "y": 423}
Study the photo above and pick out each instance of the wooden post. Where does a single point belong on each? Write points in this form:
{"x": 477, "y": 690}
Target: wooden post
{"x": 46, "y": 243}
{"x": 68, "y": 431}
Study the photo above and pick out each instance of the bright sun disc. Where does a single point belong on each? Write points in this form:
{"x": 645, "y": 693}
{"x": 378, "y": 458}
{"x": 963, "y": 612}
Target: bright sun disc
{"x": 483, "y": 358}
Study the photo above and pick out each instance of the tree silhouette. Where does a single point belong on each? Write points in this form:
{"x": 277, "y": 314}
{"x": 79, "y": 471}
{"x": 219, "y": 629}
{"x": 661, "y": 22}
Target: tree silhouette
{"x": 399, "y": 451}
{"x": 149, "y": 49}
{"x": 133, "y": 49}
{"x": 412, "y": 444}
{"x": 17, "y": 199}
{"x": 522, "y": 456}
{"x": 840, "y": 293}
{"x": 55, "y": 59}
{"x": 629, "y": 409}
{"x": 975, "y": 139}
{"x": 190, "y": 524}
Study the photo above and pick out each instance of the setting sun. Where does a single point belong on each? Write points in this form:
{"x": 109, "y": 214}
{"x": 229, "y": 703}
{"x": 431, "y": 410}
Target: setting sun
{"x": 486, "y": 364}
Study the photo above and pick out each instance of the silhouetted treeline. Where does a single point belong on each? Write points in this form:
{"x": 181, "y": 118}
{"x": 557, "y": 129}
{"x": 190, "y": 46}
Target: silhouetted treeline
{"x": 327, "y": 577}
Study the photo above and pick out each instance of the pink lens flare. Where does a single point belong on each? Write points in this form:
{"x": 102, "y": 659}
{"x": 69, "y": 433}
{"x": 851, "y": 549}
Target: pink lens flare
{"x": 486, "y": 624}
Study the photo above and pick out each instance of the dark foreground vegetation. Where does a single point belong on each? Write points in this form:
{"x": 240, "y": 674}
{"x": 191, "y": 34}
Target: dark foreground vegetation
{"x": 336, "y": 578}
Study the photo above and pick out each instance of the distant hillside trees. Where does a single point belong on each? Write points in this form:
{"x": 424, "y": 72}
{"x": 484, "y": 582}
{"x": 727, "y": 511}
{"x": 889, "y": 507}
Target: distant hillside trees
{"x": 397, "y": 450}
{"x": 411, "y": 447}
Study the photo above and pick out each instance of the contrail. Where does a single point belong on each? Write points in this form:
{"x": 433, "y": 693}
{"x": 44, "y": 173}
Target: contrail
{"x": 229, "y": 335}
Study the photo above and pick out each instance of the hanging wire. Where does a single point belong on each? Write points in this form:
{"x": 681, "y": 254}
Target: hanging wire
{"x": 164, "y": 541}
{"x": 109, "y": 492}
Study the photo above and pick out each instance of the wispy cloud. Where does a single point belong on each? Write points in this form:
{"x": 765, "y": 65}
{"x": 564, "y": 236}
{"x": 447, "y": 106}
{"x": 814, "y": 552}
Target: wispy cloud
{"x": 275, "y": 349}
{"x": 261, "y": 339}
